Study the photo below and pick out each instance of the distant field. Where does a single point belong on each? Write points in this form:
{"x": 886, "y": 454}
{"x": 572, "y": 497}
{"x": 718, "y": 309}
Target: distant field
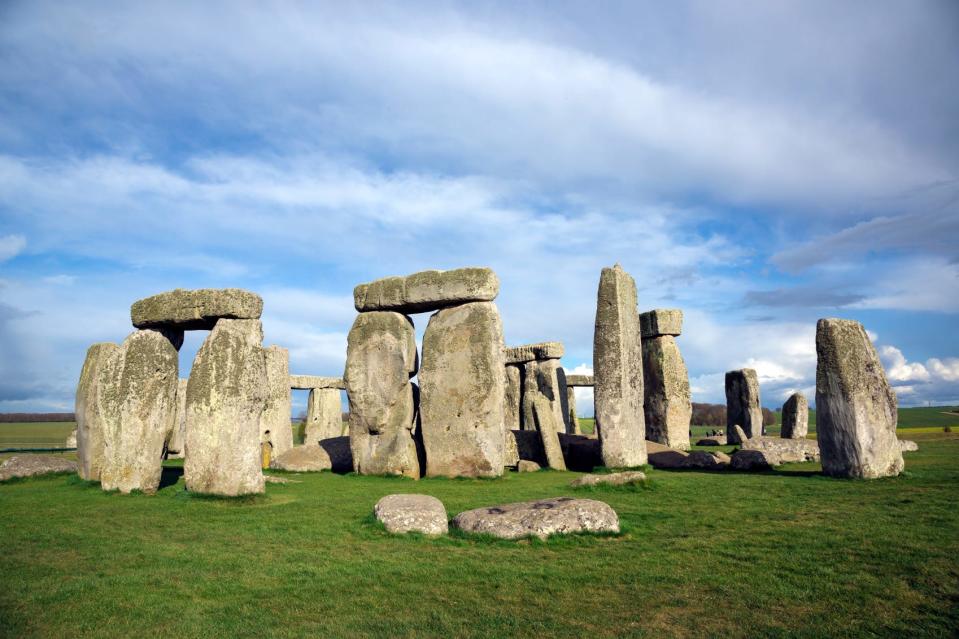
{"x": 35, "y": 435}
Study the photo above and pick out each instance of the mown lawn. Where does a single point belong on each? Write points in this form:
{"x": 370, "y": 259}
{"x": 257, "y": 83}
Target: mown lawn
{"x": 777, "y": 554}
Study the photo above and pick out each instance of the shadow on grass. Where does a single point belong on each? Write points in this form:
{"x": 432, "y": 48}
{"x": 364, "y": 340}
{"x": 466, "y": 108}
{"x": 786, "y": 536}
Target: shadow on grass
{"x": 169, "y": 476}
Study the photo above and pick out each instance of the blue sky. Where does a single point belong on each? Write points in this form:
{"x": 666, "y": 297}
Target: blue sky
{"x": 759, "y": 165}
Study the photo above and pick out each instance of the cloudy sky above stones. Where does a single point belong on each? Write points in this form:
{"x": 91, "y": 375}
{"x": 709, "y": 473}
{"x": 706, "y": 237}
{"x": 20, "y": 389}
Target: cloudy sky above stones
{"x": 759, "y": 165}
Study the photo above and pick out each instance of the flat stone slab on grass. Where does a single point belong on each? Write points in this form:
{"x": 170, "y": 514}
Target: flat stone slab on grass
{"x": 612, "y": 479}
{"x": 309, "y": 458}
{"x": 33, "y": 465}
{"x": 707, "y": 460}
{"x": 754, "y": 460}
{"x": 412, "y": 513}
{"x": 195, "y": 309}
{"x": 427, "y": 291}
{"x": 787, "y": 450}
{"x": 540, "y": 518}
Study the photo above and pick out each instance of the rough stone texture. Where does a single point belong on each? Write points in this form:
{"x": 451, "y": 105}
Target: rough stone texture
{"x": 195, "y": 309}
{"x": 308, "y": 458}
{"x": 33, "y": 465}
{"x": 136, "y": 397}
{"x": 662, "y": 321}
{"x": 908, "y": 446}
{"x": 742, "y": 404}
{"x": 579, "y": 380}
{"x": 668, "y": 408}
{"x": 427, "y": 290}
{"x": 275, "y": 425}
{"x": 612, "y": 479}
{"x": 534, "y": 352}
{"x": 510, "y": 449}
{"x": 571, "y": 417}
{"x": 856, "y": 408}
{"x": 754, "y": 460}
{"x": 176, "y": 440}
{"x": 512, "y": 399}
{"x": 324, "y": 415}
{"x": 527, "y": 466}
{"x": 380, "y": 360}
{"x": 705, "y": 460}
{"x": 546, "y": 425}
{"x": 225, "y": 399}
{"x": 795, "y": 417}
{"x": 309, "y": 382}
{"x": 462, "y": 382}
{"x": 786, "y": 450}
{"x": 661, "y": 456}
{"x": 412, "y": 513}
{"x": 547, "y": 379}
{"x": 618, "y": 371}
{"x": 71, "y": 440}
{"x": 88, "y": 414}
{"x": 541, "y": 518}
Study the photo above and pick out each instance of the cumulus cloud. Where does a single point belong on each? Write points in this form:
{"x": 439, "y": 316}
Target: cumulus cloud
{"x": 11, "y": 246}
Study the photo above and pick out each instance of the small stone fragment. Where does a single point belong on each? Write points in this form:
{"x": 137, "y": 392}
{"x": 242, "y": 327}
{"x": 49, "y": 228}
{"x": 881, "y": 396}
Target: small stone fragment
{"x": 540, "y": 518}
{"x": 742, "y": 404}
{"x": 195, "y": 309}
{"x": 402, "y": 514}
{"x": 908, "y": 446}
{"x": 612, "y": 479}
{"x": 527, "y": 466}
{"x": 427, "y": 291}
{"x": 795, "y": 417}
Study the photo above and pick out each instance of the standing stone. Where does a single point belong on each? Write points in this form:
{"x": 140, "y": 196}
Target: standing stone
{"x": 136, "y": 396}
{"x": 380, "y": 360}
{"x": 571, "y": 410}
{"x": 546, "y": 379}
{"x": 856, "y": 408}
{"x": 176, "y": 441}
{"x": 462, "y": 382}
{"x": 88, "y": 415}
{"x": 668, "y": 406}
{"x": 742, "y": 404}
{"x": 225, "y": 400}
{"x": 513, "y": 397}
{"x": 276, "y": 426}
{"x": 324, "y": 415}
{"x": 795, "y": 416}
{"x": 618, "y": 371}
{"x": 545, "y": 424}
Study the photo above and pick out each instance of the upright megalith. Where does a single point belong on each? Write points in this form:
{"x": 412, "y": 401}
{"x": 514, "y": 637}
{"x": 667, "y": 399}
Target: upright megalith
{"x": 544, "y": 418}
{"x": 513, "y": 397}
{"x": 324, "y": 415}
{"x": 618, "y": 371}
{"x": 88, "y": 412}
{"x": 427, "y": 291}
{"x": 136, "y": 399}
{"x": 275, "y": 425}
{"x": 380, "y": 360}
{"x": 226, "y": 398}
{"x": 855, "y": 406}
{"x": 795, "y": 417}
{"x": 462, "y": 382}
{"x": 541, "y": 374}
{"x": 742, "y": 404}
{"x": 571, "y": 410}
{"x": 668, "y": 407}
{"x": 572, "y": 382}
{"x": 176, "y": 440}
{"x": 195, "y": 309}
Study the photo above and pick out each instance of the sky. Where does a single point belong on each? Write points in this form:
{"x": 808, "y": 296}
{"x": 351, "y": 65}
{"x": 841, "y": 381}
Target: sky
{"x": 758, "y": 165}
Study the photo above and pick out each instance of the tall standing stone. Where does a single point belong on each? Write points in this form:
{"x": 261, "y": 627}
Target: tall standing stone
{"x": 512, "y": 401}
{"x": 668, "y": 405}
{"x": 856, "y": 408}
{"x": 88, "y": 415}
{"x": 462, "y": 382}
{"x": 275, "y": 425}
{"x": 324, "y": 415}
{"x": 571, "y": 409}
{"x": 226, "y": 397}
{"x": 544, "y": 418}
{"x": 618, "y": 371}
{"x": 742, "y": 404}
{"x": 795, "y": 417}
{"x": 380, "y": 360}
{"x": 176, "y": 441}
{"x": 541, "y": 374}
{"x": 136, "y": 396}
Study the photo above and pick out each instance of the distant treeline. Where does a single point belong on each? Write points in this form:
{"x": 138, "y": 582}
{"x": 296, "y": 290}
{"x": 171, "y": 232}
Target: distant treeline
{"x": 715, "y": 415}
{"x": 8, "y": 418}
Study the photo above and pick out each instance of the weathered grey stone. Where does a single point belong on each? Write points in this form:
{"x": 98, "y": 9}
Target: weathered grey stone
{"x": 195, "y": 309}
{"x": 534, "y": 352}
{"x": 540, "y": 518}
{"x": 412, "y": 513}
{"x": 225, "y": 399}
{"x": 705, "y": 460}
{"x": 136, "y": 397}
{"x": 380, "y": 360}
{"x": 547, "y": 379}
{"x": 462, "y": 382}
{"x": 510, "y": 449}
{"x": 662, "y": 321}
{"x": 754, "y": 460}
{"x": 579, "y": 380}
{"x": 571, "y": 417}
{"x": 795, "y": 417}
{"x": 662, "y": 456}
{"x": 855, "y": 406}
{"x": 786, "y": 450}
{"x": 527, "y": 466}
{"x": 176, "y": 440}
{"x": 611, "y": 479}
{"x": 88, "y": 414}
{"x": 908, "y": 446}
{"x": 275, "y": 425}
{"x": 71, "y": 441}
{"x": 308, "y": 458}
{"x": 427, "y": 290}
{"x": 512, "y": 399}
{"x": 742, "y": 404}
{"x": 34, "y": 465}
{"x": 618, "y": 371}
{"x": 668, "y": 407}
{"x": 309, "y": 382}
{"x": 324, "y": 415}
{"x": 545, "y": 423}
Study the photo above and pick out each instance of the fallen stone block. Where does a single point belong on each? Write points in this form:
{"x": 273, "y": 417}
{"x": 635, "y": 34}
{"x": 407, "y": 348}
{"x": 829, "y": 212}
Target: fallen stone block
{"x": 526, "y": 466}
{"x": 908, "y": 446}
{"x": 711, "y": 441}
{"x": 198, "y": 309}
{"x": 754, "y": 460}
{"x": 579, "y": 380}
{"x": 412, "y": 513}
{"x": 540, "y": 518}
{"x": 35, "y": 465}
{"x": 612, "y": 479}
{"x": 703, "y": 460}
{"x": 427, "y": 291}
{"x": 308, "y": 458}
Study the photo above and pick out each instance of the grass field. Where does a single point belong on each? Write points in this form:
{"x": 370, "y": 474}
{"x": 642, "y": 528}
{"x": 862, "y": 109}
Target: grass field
{"x": 778, "y": 554}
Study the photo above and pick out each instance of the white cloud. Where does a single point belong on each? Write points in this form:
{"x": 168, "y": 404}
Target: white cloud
{"x": 11, "y": 246}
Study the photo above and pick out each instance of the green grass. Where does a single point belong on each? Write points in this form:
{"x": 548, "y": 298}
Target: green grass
{"x": 35, "y": 435}
{"x": 776, "y": 554}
